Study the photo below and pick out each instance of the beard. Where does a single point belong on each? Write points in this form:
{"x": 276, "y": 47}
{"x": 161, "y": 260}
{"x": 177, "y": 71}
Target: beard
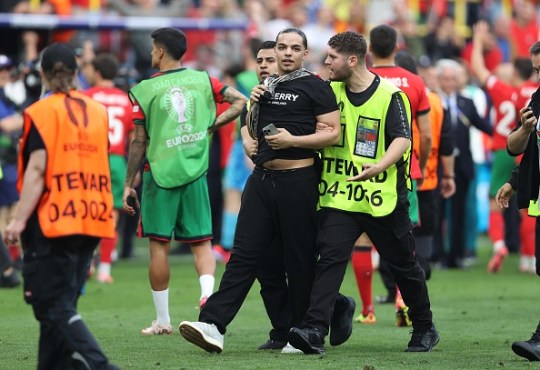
{"x": 340, "y": 74}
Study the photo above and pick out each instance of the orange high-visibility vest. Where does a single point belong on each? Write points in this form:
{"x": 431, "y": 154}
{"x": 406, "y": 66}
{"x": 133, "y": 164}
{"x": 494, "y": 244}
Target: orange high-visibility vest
{"x": 77, "y": 198}
{"x": 436, "y": 113}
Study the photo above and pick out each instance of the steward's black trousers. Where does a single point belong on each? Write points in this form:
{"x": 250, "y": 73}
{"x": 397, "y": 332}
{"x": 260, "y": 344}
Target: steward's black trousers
{"x": 277, "y": 207}
{"x": 54, "y": 272}
{"x": 391, "y": 235}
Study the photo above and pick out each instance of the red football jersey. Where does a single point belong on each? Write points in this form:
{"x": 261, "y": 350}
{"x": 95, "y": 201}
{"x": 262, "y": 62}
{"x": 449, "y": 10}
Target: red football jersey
{"x": 503, "y": 112}
{"x": 413, "y": 86}
{"x": 120, "y": 122}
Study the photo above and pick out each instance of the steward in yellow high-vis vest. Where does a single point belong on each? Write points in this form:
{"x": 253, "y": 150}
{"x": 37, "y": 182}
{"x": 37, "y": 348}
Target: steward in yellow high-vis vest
{"x": 365, "y": 144}
{"x": 364, "y": 190}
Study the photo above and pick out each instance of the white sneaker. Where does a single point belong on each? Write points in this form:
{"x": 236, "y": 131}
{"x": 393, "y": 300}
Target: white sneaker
{"x": 203, "y": 335}
{"x": 290, "y": 349}
{"x": 157, "y": 329}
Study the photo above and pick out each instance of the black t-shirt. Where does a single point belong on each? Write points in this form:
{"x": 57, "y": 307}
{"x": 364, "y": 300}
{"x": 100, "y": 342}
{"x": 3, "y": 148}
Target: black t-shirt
{"x": 294, "y": 107}
{"x": 397, "y": 125}
{"x": 243, "y": 116}
{"x": 33, "y": 142}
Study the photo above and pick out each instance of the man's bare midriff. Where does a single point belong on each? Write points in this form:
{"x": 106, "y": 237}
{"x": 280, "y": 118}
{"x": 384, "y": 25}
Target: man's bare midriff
{"x": 287, "y": 164}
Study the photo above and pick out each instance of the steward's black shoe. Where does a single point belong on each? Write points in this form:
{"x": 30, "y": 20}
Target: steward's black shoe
{"x": 529, "y": 349}
{"x": 341, "y": 325}
{"x": 272, "y": 345}
{"x": 423, "y": 341}
{"x": 309, "y": 341}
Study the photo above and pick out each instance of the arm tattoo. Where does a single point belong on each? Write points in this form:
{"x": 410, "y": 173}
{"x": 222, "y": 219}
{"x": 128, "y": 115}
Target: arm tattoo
{"x": 237, "y": 100}
{"x": 137, "y": 151}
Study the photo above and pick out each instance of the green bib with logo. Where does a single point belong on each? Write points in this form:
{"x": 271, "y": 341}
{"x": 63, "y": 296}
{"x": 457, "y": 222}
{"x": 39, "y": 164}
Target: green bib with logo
{"x": 179, "y": 107}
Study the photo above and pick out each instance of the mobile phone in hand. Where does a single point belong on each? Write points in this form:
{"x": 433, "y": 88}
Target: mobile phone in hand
{"x": 131, "y": 201}
{"x": 270, "y": 129}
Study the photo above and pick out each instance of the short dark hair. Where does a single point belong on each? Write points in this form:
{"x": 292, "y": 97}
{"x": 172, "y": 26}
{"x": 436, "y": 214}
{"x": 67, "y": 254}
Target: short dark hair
{"x": 350, "y": 43}
{"x": 383, "y": 40}
{"x": 107, "y": 65}
{"x": 523, "y": 67}
{"x": 269, "y": 44}
{"x": 406, "y": 61}
{"x": 294, "y": 30}
{"x": 172, "y": 40}
{"x": 535, "y": 49}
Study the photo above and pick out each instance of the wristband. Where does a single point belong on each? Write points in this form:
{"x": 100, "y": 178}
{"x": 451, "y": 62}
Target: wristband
{"x": 448, "y": 177}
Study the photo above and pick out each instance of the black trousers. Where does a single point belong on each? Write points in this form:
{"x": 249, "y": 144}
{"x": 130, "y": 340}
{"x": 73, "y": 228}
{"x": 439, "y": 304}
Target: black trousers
{"x": 277, "y": 207}
{"x": 274, "y": 291}
{"x": 391, "y": 235}
{"x": 458, "y": 202}
{"x": 54, "y": 272}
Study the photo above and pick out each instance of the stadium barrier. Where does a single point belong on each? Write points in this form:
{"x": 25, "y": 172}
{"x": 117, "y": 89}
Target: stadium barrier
{"x": 107, "y": 22}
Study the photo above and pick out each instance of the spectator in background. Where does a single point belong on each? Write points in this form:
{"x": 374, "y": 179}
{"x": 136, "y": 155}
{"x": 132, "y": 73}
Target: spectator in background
{"x": 350, "y": 15}
{"x": 463, "y": 115}
{"x": 523, "y": 27}
{"x": 477, "y": 207}
{"x": 226, "y": 43}
{"x": 443, "y": 42}
{"x": 491, "y": 52}
{"x": 501, "y": 30}
{"x": 138, "y": 38}
{"x": 318, "y": 33}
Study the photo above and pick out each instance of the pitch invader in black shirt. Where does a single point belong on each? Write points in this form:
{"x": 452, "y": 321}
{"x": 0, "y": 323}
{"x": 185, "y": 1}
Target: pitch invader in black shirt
{"x": 280, "y": 197}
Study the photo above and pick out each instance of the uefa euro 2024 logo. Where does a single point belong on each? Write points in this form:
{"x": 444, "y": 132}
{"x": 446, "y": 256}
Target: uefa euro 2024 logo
{"x": 179, "y": 105}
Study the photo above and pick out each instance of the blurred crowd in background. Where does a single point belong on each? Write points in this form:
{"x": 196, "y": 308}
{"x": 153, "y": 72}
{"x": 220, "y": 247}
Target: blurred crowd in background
{"x": 429, "y": 30}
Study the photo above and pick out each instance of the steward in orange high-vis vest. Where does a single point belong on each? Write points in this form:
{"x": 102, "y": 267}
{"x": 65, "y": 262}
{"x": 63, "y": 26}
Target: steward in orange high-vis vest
{"x": 436, "y": 114}
{"x": 78, "y": 197}
{"x": 65, "y": 208}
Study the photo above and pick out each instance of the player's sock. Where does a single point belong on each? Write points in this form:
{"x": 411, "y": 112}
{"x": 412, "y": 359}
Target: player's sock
{"x": 526, "y": 235}
{"x": 207, "y": 285}
{"x": 106, "y": 248}
{"x": 363, "y": 271}
{"x": 496, "y": 227}
{"x": 161, "y": 303}
{"x": 104, "y": 268}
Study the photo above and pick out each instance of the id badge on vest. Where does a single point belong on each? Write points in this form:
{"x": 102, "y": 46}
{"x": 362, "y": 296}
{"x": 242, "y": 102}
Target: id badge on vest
{"x": 367, "y": 137}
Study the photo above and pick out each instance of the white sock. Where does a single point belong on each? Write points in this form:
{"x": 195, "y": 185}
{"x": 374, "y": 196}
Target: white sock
{"x": 524, "y": 263}
{"x": 104, "y": 268}
{"x": 161, "y": 303}
{"x": 207, "y": 285}
{"x": 498, "y": 245}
